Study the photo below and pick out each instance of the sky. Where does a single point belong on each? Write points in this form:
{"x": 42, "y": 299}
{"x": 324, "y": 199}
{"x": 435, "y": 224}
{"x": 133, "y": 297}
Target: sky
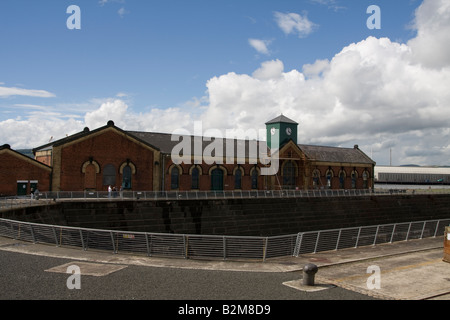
{"x": 348, "y": 75}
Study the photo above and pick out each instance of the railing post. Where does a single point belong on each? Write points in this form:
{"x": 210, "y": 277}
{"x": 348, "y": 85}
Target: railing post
{"x": 81, "y": 238}
{"x": 436, "y": 229}
{"x": 317, "y": 242}
{"x": 224, "y": 244}
{"x": 376, "y": 235}
{"x": 357, "y": 238}
{"x": 113, "y": 243}
{"x": 55, "y": 236}
{"x": 32, "y": 233}
{"x": 423, "y": 229}
{"x": 265, "y": 248}
{"x": 298, "y": 244}
{"x": 186, "y": 246}
{"x": 409, "y": 228}
{"x": 393, "y": 232}
{"x": 338, "y": 239}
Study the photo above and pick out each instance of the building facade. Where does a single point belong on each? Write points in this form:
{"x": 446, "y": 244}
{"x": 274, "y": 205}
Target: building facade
{"x": 132, "y": 160}
{"x": 21, "y": 175}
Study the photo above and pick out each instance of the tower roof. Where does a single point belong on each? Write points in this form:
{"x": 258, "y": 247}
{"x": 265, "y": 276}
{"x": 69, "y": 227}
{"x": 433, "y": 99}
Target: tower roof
{"x": 281, "y": 118}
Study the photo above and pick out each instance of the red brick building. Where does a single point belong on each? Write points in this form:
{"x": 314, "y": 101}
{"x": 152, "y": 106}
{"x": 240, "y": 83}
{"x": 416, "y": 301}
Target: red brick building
{"x": 143, "y": 161}
{"x": 19, "y": 174}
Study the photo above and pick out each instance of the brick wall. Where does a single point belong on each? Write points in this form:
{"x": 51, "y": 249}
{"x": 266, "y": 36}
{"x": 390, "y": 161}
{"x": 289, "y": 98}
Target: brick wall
{"x": 15, "y": 167}
{"x": 108, "y": 148}
{"x": 252, "y": 217}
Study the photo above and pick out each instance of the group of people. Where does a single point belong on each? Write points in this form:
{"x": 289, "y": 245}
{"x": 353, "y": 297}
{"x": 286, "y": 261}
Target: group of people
{"x": 112, "y": 192}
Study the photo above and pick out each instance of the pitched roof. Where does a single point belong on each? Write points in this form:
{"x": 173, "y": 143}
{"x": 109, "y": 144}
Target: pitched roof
{"x": 335, "y": 154}
{"x": 163, "y": 141}
{"x": 87, "y": 132}
{"x": 281, "y": 118}
{"x": 6, "y": 148}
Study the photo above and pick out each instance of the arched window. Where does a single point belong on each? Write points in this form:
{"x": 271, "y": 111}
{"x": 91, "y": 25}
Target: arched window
{"x": 175, "y": 178}
{"x": 254, "y": 176}
{"x": 195, "y": 174}
{"x": 342, "y": 176}
{"x": 354, "y": 176}
{"x": 329, "y": 175}
{"x": 109, "y": 175}
{"x": 238, "y": 178}
{"x": 90, "y": 177}
{"x": 366, "y": 177}
{"x": 316, "y": 178}
{"x": 126, "y": 177}
{"x": 289, "y": 174}
{"x": 217, "y": 179}
{"x": 90, "y": 169}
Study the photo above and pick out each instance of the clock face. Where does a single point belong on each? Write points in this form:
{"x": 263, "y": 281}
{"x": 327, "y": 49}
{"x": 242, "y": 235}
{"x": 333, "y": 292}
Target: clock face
{"x": 288, "y": 131}
{"x": 272, "y": 131}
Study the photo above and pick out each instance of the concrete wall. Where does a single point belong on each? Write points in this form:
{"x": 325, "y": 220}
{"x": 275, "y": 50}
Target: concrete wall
{"x": 252, "y": 217}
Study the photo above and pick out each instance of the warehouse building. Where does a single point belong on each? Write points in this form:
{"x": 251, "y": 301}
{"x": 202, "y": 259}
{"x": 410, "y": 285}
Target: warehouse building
{"x": 132, "y": 160}
{"x": 412, "y": 175}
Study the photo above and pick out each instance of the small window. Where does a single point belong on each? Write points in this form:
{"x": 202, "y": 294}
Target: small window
{"x": 175, "y": 178}
{"x": 126, "y": 181}
{"x": 238, "y": 179}
{"x": 254, "y": 176}
{"x": 109, "y": 175}
{"x": 195, "y": 178}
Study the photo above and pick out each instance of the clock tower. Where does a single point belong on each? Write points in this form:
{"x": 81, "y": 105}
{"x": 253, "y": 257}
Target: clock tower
{"x": 283, "y": 128}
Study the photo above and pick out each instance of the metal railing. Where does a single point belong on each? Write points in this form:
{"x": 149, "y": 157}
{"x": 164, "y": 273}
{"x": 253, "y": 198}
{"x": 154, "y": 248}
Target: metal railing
{"x": 47, "y": 197}
{"x": 219, "y": 247}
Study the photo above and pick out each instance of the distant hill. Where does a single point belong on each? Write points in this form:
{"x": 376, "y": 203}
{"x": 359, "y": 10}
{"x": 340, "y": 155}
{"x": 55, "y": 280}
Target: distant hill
{"x": 27, "y": 152}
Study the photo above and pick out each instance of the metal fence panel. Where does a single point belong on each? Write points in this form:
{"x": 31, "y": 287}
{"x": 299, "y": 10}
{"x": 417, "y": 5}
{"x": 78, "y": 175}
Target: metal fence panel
{"x": 199, "y": 246}
{"x": 280, "y": 246}
{"x": 220, "y": 247}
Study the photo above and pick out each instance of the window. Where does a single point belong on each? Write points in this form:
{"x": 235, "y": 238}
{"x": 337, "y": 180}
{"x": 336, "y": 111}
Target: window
{"x": 195, "y": 174}
{"x": 126, "y": 177}
{"x": 109, "y": 175}
{"x": 329, "y": 176}
{"x": 217, "y": 179}
{"x": 354, "y": 177}
{"x": 90, "y": 177}
{"x": 254, "y": 175}
{"x": 175, "y": 178}
{"x": 365, "y": 177}
{"x": 342, "y": 179}
{"x": 316, "y": 178}
{"x": 289, "y": 175}
{"x": 238, "y": 178}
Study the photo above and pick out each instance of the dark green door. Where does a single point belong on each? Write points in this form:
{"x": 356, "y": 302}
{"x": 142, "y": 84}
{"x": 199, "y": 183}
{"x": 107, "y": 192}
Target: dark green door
{"x": 22, "y": 188}
{"x": 217, "y": 180}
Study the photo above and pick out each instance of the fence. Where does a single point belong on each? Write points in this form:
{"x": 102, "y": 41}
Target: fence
{"x": 219, "y": 247}
{"x": 45, "y": 197}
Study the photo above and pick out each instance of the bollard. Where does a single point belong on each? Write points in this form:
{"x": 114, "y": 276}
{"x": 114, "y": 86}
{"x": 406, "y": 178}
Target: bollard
{"x": 309, "y": 272}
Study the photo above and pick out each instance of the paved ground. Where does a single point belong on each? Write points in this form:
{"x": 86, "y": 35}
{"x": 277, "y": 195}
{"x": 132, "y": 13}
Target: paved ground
{"x": 405, "y": 270}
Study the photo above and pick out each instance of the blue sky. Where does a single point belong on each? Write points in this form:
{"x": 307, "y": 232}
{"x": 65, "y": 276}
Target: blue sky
{"x": 156, "y": 46}
{"x": 168, "y": 62}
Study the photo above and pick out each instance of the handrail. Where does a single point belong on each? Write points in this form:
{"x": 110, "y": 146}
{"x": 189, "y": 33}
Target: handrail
{"x": 42, "y": 197}
{"x": 194, "y": 246}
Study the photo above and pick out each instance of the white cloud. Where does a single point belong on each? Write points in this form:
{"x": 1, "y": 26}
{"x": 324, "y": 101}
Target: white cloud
{"x": 294, "y": 23}
{"x": 432, "y": 22}
{"x": 12, "y": 91}
{"x": 377, "y": 93}
{"x": 260, "y": 45}
{"x": 122, "y": 12}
